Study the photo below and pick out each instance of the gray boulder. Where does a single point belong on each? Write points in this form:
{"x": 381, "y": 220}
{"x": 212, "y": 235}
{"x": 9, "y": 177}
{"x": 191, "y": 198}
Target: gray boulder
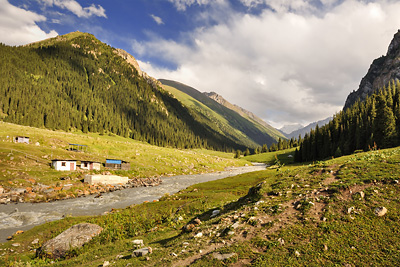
{"x": 141, "y": 252}
{"x": 74, "y": 237}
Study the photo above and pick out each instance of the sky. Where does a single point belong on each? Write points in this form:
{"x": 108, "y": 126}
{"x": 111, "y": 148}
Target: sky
{"x": 286, "y": 61}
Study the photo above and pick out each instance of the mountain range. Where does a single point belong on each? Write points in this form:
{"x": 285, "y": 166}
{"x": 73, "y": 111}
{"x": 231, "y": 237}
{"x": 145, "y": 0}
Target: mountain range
{"x": 306, "y": 129}
{"x": 79, "y": 83}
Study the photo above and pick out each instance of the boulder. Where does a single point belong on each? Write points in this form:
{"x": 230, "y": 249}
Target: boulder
{"x": 215, "y": 213}
{"x": 74, "y": 237}
{"x": 138, "y": 243}
{"x": 141, "y": 252}
{"x": 380, "y": 211}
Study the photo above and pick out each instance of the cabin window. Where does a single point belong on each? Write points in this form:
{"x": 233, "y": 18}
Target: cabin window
{"x": 63, "y": 164}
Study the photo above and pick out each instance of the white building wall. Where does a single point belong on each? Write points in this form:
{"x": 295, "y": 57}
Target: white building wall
{"x": 62, "y": 165}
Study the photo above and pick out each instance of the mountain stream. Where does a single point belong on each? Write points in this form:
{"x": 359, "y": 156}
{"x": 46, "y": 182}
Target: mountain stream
{"x": 24, "y": 216}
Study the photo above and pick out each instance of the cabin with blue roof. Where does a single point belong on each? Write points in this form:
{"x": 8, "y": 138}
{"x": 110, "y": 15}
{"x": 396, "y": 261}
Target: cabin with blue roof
{"x": 117, "y": 164}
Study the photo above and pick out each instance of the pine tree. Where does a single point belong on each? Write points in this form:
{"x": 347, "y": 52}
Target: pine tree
{"x": 385, "y": 125}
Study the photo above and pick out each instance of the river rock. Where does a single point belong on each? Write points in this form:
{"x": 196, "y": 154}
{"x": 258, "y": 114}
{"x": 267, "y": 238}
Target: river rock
{"x": 18, "y": 191}
{"x": 380, "y": 211}
{"x": 74, "y": 237}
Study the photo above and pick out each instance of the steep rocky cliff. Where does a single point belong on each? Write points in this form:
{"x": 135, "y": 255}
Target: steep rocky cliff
{"x": 382, "y": 71}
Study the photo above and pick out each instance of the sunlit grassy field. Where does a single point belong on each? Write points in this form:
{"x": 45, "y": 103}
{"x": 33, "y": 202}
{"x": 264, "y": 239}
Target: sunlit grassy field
{"x": 21, "y": 162}
{"x": 282, "y": 157}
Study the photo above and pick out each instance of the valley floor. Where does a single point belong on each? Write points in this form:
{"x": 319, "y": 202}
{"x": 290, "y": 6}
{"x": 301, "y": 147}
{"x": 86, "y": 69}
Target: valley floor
{"x": 339, "y": 212}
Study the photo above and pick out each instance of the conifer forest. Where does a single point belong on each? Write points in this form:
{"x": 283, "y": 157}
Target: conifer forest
{"x": 76, "y": 82}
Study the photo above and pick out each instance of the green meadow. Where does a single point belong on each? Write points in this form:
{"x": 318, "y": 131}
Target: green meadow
{"x": 21, "y": 162}
{"x": 320, "y": 213}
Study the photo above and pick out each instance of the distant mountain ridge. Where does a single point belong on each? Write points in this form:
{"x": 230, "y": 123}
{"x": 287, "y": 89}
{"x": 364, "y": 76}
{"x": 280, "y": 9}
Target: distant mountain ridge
{"x": 382, "y": 71}
{"x": 233, "y": 122}
{"x": 302, "y": 131}
{"x": 287, "y": 129}
{"x": 243, "y": 112}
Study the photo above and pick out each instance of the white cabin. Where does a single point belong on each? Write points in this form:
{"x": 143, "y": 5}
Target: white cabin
{"x": 90, "y": 165}
{"x": 63, "y": 165}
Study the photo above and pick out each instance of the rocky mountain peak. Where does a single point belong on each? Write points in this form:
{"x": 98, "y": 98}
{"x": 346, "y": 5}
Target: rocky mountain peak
{"x": 133, "y": 62}
{"x": 382, "y": 71}
{"x": 216, "y": 97}
{"x": 394, "y": 44}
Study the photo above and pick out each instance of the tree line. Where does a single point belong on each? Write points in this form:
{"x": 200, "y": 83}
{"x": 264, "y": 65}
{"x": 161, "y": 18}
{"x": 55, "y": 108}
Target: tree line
{"x": 371, "y": 124}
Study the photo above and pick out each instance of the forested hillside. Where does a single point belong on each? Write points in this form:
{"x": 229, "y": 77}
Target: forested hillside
{"x": 76, "y": 82}
{"x": 371, "y": 124}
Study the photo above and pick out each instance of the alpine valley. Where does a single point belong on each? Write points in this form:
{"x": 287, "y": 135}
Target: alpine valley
{"x": 329, "y": 198}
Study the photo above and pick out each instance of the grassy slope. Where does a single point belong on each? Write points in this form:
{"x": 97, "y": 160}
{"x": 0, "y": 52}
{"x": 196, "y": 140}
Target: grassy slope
{"x": 21, "y": 162}
{"x": 218, "y": 122}
{"x": 254, "y": 130}
{"x": 310, "y": 215}
{"x": 281, "y": 157}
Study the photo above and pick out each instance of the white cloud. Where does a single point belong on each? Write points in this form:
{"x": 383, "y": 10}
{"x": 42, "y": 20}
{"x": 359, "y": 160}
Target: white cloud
{"x": 158, "y": 20}
{"x": 77, "y": 9}
{"x": 252, "y": 3}
{"x": 287, "y": 67}
{"x": 18, "y": 26}
{"x": 183, "y": 4}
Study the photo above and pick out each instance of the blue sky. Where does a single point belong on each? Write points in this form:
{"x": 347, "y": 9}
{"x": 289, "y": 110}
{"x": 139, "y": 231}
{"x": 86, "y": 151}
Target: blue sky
{"x": 288, "y": 61}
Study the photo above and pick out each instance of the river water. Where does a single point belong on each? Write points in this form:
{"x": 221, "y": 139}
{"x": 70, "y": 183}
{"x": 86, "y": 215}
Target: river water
{"x": 24, "y": 216}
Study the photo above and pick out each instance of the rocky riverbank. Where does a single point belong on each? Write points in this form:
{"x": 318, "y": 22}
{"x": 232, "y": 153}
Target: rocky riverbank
{"x": 44, "y": 193}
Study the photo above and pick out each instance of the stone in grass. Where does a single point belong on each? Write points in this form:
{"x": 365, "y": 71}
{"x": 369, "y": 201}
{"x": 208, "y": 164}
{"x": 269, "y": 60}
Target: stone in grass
{"x": 74, "y": 237}
{"x": 197, "y": 221}
{"x": 359, "y": 195}
{"x": 215, "y": 213}
{"x": 198, "y": 235}
{"x": 189, "y": 227}
{"x": 141, "y": 252}
{"x": 138, "y": 243}
{"x": 380, "y": 211}
{"x": 223, "y": 257}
